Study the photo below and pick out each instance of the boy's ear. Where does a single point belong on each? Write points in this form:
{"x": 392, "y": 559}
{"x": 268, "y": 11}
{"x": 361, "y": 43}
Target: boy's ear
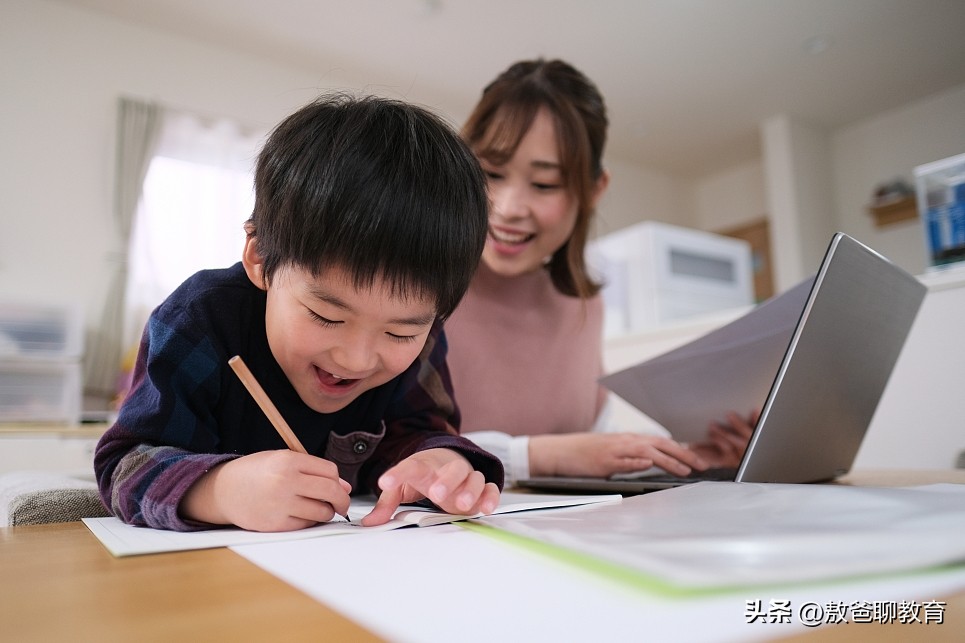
{"x": 253, "y": 263}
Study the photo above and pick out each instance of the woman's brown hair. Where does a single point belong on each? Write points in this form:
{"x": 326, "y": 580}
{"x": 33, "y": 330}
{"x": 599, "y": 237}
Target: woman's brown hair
{"x": 501, "y": 119}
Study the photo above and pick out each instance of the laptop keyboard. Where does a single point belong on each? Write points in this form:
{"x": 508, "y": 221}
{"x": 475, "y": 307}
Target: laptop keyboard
{"x": 724, "y": 474}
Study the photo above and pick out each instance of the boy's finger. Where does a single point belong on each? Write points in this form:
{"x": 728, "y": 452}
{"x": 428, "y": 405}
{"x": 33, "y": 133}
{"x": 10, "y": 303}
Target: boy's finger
{"x": 384, "y": 508}
{"x": 467, "y": 495}
{"x": 489, "y": 499}
{"x": 340, "y": 503}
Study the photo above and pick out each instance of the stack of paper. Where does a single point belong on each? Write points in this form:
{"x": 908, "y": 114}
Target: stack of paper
{"x": 728, "y": 369}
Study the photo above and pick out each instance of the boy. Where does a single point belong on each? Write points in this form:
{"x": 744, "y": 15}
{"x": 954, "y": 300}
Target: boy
{"x": 370, "y": 217}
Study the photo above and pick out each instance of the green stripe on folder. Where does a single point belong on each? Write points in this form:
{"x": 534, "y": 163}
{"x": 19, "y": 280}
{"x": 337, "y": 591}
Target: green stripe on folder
{"x": 641, "y": 581}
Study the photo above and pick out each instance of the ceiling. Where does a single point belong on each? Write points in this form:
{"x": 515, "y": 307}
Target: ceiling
{"x": 687, "y": 82}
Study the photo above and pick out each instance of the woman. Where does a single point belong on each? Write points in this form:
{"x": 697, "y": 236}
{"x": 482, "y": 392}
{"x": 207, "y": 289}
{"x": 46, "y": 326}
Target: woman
{"x": 525, "y": 344}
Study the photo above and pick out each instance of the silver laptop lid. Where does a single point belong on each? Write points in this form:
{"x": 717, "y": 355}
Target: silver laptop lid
{"x": 843, "y": 350}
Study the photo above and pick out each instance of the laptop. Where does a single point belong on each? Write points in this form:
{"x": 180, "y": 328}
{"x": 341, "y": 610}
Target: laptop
{"x": 850, "y": 333}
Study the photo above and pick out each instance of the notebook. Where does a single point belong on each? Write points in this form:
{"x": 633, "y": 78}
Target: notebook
{"x": 850, "y": 333}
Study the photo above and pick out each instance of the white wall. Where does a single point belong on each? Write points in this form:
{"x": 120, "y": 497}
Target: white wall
{"x": 62, "y": 70}
{"x": 887, "y": 146}
{"x": 799, "y": 196}
{"x": 637, "y": 194}
{"x": 731, "y": 198}
{"x": 858, "y": 158}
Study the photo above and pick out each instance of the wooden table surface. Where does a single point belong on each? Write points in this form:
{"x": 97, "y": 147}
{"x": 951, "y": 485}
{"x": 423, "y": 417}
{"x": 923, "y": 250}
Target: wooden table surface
{"x": 58, "y": 583}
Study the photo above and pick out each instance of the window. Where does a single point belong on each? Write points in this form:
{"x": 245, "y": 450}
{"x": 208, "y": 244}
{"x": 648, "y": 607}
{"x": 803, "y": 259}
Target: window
{"x": 197, "y": 195}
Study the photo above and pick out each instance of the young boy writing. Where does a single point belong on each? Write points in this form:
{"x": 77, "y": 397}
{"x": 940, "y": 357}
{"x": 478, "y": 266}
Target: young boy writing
{"x": 369, "y": 220}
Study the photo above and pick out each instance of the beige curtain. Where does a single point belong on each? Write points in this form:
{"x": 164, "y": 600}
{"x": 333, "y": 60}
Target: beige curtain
{"x": 138, "y": 129}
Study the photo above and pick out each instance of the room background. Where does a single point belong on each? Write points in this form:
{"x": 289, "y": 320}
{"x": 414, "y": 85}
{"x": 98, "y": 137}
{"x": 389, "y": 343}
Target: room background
{"x": 62, "y": 69}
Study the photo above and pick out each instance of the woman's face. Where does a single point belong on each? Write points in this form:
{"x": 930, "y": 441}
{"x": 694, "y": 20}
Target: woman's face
{"x": 532, "y": 213}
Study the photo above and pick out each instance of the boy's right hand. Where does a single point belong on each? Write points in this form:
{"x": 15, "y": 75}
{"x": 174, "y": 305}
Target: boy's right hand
{"x": 269, "y": 491}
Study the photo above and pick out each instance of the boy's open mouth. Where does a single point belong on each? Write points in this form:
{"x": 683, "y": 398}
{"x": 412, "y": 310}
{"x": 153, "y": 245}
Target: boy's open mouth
{"x": 330, "y": 379}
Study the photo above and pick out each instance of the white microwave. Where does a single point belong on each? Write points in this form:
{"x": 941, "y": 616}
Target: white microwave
{"x": 655, "y": 273}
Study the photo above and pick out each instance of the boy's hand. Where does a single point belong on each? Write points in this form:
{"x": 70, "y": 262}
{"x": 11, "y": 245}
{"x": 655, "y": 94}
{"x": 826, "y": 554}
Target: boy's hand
{"x": 441, "y": 475}
{"x": 269, "y": 491}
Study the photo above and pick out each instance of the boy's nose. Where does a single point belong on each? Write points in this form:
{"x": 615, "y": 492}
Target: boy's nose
{"x": 356, "y": 359}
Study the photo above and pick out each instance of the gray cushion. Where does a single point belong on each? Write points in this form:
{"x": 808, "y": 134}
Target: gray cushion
{"x": 55, "y": 505}
{"x": 39, "y": 497}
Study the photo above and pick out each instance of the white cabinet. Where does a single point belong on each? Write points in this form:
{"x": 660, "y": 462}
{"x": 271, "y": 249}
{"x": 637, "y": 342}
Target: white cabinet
{"x": 52, "y": 448}
{"x": 920, "y": 422}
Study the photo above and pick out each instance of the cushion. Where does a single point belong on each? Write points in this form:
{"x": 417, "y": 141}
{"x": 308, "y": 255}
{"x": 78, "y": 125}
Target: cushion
{"x": 40, "y": 497}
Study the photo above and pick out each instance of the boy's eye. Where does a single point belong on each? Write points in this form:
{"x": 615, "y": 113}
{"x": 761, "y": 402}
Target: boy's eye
{"x": 328, "y": 323}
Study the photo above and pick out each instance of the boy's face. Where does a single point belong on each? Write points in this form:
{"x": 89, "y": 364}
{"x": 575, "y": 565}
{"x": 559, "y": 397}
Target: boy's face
{"x": 335, "y": 342}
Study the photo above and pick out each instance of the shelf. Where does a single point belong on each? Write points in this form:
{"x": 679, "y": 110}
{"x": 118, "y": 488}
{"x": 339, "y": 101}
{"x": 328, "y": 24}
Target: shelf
{"x": 895, "y": 211}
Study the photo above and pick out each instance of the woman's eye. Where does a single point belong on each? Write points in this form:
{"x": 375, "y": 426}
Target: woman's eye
{"x": 402, "y": 338}
{"x": 493, "y": 176}
{"x": 546, "y": 186}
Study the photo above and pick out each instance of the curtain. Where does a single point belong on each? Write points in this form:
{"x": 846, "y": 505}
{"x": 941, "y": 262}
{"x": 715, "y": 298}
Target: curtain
{"x": 196, "y": 197}
{"x": 138, "y": 128}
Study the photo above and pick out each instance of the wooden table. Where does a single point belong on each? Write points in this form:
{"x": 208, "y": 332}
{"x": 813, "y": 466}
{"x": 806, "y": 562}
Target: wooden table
{"x": 58, "y": 583}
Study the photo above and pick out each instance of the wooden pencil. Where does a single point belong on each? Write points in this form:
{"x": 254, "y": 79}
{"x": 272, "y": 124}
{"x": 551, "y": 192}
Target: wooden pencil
{"x": 264, "y": 402}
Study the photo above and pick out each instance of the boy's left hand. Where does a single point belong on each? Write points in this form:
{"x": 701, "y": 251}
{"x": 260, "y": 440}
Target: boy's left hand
{"x": 441, "y": 475}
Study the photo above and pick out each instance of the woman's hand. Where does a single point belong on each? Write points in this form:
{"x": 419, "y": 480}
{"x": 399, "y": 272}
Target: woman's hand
{"x": 726, "y": 442}
{"x": 603, "y": 454}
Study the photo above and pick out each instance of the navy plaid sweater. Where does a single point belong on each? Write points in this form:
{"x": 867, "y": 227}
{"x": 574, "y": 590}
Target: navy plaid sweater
{"x": 187, "y": 411}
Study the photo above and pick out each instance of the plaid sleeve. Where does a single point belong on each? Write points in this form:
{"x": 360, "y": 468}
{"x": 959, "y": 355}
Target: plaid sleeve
{"x": 164, "y": 438}
{"x": 424, "y": 415}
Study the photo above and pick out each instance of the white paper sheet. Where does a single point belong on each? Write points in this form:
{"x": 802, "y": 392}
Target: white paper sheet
{"x": 728, "y": 369}
{"x": 713, "y": 534}
{"x": 448, "y": 584}
{"x": 125, "y": 540}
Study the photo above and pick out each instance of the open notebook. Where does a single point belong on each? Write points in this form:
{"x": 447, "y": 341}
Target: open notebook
{"x": 126, "y": 540}
{"x": 840, "y": 356}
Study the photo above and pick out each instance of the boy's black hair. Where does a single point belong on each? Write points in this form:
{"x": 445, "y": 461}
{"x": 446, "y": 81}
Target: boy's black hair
{"x": 379, "y": 188}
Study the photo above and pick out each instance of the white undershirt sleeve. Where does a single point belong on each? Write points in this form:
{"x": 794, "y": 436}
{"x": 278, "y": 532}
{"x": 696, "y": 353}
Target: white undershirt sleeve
{"x": 512, "y": 451}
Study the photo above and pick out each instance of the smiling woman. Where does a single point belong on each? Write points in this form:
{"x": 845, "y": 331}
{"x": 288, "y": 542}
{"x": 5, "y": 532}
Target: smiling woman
{"x": 526, "y": 341}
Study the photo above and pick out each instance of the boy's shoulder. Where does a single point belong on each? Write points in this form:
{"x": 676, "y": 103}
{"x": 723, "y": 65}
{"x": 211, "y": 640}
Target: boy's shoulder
{"x": 213, "y": 292}
{"x": 214, "y": 283}
{"x": 214, "y": 279}
{"x": 214, "y": 310}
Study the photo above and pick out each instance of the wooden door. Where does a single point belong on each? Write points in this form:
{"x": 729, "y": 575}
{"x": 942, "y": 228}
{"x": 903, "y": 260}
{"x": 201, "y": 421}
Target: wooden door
{"x": 757, "y": 233}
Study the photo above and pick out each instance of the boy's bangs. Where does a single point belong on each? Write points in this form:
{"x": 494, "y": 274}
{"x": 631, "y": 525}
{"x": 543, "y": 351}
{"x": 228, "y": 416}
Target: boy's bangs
{"x": 399, "y": 284}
